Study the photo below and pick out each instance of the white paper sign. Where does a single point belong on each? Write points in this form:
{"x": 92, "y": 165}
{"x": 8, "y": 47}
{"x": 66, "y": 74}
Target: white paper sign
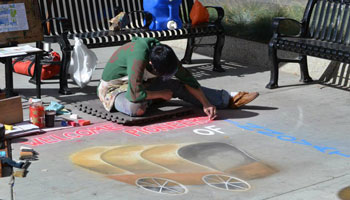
{"x": 13, "y": 17}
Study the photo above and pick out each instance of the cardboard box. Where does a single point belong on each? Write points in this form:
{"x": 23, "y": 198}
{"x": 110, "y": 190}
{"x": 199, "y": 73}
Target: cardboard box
{"x": 11, "y": 111}
{"x": 2, "y": 95}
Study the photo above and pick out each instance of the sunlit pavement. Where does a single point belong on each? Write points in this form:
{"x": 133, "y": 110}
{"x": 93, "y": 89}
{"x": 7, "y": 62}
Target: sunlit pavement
{"x": 290, "y": 143}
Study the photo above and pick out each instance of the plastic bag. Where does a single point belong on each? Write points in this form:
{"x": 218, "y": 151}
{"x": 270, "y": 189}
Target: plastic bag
{"x": 199, "y": 14}
{"x": 82, "y": 64}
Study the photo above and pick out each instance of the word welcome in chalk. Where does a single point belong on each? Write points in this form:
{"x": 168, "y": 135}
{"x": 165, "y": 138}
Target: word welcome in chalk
{"x": 288, "y": 138}
{"x": 61, "y": 136}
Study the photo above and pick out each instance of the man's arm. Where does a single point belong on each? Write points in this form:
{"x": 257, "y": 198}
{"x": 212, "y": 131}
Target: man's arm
{"x": 192, "y": 85}
{"x": 208, "y": 108}
{"x": 162, "y": 94}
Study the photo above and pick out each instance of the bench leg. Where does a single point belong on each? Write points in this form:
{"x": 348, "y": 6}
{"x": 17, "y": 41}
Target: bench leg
{"x": 189, "y": 50}
{"x": 304, "y": 72}
{"x": 66, "y": 56}
{"x": 220, "y": 41}
{"x": 36, "y": 78}
{"x": 274, "y": 67}
{"x": 63, "y": 73}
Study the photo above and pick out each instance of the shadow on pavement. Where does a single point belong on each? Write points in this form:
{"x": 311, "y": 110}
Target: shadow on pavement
{"x": 258, "y": 108}
{"x": 202, "y": 69}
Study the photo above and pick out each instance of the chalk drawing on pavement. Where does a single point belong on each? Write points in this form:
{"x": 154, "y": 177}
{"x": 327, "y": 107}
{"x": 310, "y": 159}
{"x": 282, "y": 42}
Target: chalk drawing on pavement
{"x": 344, "y": 194}
{"x": 174, "y": 165}
{"x": 226, "y": 182}
{"x": 288, "y": 138}
{"x": 161, "y": 185}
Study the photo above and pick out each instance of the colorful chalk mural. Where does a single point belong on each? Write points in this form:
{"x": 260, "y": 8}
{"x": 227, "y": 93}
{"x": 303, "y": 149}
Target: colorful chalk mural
{"x": 344, "y": 194}
{"x": 166, "y": 168}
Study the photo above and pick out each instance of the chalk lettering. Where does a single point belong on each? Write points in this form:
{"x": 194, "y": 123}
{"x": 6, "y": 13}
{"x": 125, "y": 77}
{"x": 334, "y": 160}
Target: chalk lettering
{"x": 34, "y": 142}
{"x": 48, "y": 140}
{"x": 323, "y": 149}
{"x": 212, "y": 128}
{"x": 59, "y": 138}
{"x": 71, "y": 135}
{"x": 84, "y": 132}
{"x": 303, "y": 142}
{"x": 340, "y": 154}
{"x": 151, "y": 129}
{"x": 132, "y": 132}
{"x": 286, "y": 138}
{"x": 164, "y": 127}
{"x": 107, "y": 127}
{"x": 203, "y": 132}
{"x": 263, "y": 130}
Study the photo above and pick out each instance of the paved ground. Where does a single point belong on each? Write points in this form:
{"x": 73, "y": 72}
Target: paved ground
{"x": 291, "y": 143}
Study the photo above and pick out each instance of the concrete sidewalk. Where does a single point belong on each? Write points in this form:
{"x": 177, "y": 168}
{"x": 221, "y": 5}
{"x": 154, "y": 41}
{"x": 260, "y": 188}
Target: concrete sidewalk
{"x": 298, "y": 133}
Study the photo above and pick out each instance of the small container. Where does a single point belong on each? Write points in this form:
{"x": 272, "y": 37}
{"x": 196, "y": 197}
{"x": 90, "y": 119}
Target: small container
{"x": 2, "y": 154}
{"x": 50, "y": 118}
{"x": 37, "y": 113}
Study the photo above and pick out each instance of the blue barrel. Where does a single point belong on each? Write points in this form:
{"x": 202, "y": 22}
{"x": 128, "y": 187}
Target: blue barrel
{"x": 165, "y": 14}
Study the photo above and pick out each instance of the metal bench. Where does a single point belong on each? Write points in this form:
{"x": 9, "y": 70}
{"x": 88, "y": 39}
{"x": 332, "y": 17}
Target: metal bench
{"x": 323, "y": 32}
{"x": 88, "y": 20}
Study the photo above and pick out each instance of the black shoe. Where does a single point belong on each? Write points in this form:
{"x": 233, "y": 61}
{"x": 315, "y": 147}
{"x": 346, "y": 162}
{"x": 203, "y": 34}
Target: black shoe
{"x": 218, "y": 69}
{"x": 25, "y": 165}
{"x": 29, "y": 158}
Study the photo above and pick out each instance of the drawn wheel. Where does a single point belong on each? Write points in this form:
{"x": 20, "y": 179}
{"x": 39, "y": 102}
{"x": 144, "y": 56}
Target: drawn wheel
{"x": 161, "y": 185}
{"x": 224, "y": 182}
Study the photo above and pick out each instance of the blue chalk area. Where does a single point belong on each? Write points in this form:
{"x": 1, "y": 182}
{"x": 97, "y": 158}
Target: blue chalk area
{"x": 288, "y": 138}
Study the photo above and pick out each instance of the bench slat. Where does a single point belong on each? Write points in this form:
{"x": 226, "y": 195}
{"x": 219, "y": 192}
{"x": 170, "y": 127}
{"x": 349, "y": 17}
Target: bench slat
{"x": 320, "y": 19}
{"x": 343, "y": 25}
{"x": 333, "y": 33}
{"x": 93, "y": 15}
{"x": 346, "y": 36}
{"x": 315, "y": 15}
{"x": 330, "y": 21}
{"x": 185, "y": 9}
{"x": 333, "y": 20}
{"x": 326, "y": 21}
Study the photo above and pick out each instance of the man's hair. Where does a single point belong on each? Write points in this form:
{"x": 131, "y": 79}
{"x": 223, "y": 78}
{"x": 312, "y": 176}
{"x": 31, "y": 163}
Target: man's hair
{"x": 164, "y": 60}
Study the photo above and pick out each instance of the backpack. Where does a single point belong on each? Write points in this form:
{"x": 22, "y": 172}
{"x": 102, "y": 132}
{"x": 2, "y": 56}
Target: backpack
{"x": 25, "y": 65}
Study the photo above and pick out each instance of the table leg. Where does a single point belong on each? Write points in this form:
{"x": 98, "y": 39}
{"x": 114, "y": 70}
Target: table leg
{"x": 9, "y": 78}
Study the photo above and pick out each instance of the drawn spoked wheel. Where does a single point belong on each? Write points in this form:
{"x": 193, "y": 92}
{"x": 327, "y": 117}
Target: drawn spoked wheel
{"x": 224, "y": 182}
{"x": 161, "y": 185}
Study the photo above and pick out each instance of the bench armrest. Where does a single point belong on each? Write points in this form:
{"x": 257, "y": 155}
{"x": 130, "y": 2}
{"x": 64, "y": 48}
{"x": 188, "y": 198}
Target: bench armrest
{"x": 146, "y": 15}
{"x": 66, "y": 24}
{"x": 286, "y": 27}
{"x": 220, "y": 11}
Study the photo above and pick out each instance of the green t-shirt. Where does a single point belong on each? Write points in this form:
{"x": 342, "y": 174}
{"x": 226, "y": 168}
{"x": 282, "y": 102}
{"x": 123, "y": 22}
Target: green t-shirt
{"x": 131, "y": 60}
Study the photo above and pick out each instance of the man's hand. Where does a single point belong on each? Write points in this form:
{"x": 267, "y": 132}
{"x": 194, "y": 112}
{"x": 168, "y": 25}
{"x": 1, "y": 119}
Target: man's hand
{"x": 210, "y": 110}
